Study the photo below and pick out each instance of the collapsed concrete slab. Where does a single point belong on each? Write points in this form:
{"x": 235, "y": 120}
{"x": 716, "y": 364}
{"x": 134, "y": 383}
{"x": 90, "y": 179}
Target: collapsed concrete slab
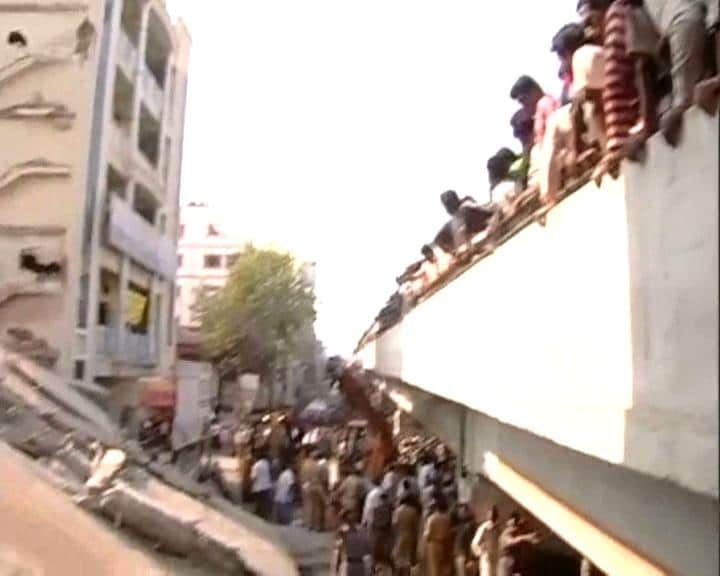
{"x": 59, "y": 429}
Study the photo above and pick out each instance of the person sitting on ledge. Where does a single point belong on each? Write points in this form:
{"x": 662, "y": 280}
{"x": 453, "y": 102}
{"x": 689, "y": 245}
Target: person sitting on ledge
{"x": 504, "y": 191}
{"x": 524, "y": 169}
{"x": 503, "y": 187}
{"x": 468, "y": 218}
{"x": 436, "y": 263}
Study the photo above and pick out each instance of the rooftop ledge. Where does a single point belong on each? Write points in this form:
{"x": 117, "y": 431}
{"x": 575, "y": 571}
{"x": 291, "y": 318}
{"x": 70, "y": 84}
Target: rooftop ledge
{"x": 598, "y": 331}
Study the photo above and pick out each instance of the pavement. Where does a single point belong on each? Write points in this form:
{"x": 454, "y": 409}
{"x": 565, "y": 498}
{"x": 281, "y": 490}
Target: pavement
{"x": 311, "y": 550}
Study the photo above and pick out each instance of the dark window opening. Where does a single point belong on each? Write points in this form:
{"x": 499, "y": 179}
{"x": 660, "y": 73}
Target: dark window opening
{"x": 123, "y": 96}
{"x": 149, "y": 136}
{"x": 103, "y": 313}
{"x": 29, "y": 261}
{"x": 212, "y": 261}
{"x": 144, "y": 203}
{"x": 17, "y": 38}
{"x": 79, "y": 370}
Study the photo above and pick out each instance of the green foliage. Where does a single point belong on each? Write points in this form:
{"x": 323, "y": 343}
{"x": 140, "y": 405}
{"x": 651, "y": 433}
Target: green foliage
{"x": 255, "y": 319}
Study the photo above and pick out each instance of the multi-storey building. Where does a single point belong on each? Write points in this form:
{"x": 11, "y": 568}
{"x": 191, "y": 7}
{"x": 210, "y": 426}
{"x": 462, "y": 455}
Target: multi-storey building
{"x": 205, "y": 255}
{"x": 92, "y": 101}
{"x": 575, "y": 367}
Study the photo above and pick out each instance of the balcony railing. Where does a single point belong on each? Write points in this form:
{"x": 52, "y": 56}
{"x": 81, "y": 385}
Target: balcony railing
{"x": 152, "y": 93}
{"x": 133, "y": 235}
{"x": 121, "y": 346}
{"x": 127, "y": 54}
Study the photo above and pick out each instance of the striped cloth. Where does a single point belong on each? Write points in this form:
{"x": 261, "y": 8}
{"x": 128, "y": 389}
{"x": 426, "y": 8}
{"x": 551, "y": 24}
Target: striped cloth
{"x": 619, "y": 94}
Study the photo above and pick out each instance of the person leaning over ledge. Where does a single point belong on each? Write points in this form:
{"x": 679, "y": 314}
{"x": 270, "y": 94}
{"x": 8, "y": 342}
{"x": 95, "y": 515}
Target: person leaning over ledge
{"x": 468, "y": 218}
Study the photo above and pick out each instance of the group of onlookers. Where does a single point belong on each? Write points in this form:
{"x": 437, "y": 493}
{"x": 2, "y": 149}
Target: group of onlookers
{"x": 628, "y": 68}
{"x": 421, "y": 519}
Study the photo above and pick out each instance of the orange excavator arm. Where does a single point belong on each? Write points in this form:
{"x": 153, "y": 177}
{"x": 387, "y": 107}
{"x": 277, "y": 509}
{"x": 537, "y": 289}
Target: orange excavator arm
{"x": 383, "y": 450}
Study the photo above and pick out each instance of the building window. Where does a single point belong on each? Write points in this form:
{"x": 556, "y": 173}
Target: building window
{"x": 180, "y": 261}
{"x": 230, "y": 260}
{"x": 79, "y": 370}
{"x": 171, "y": 318}
{"x": 17, "y": 38}
{"x": 103, "y": 314}
{"x": 212, "y": 261}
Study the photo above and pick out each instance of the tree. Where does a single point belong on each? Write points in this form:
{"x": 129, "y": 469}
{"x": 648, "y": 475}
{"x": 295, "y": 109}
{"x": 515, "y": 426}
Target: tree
{"x": 254, "y": 321}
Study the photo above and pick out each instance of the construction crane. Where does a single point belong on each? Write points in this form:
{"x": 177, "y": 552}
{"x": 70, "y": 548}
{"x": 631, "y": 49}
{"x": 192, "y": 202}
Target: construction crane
{"x": 382, "y": 447}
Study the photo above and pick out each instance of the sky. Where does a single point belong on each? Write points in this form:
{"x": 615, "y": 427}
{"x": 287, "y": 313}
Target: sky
{"x": 331, "y": 127}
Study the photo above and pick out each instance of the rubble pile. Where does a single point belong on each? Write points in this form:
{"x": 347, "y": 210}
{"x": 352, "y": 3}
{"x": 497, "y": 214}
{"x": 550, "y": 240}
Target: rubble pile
{"x": 23, "y": 341}
{"x": 82, "y": 453}
{"x": 412, "y": 447}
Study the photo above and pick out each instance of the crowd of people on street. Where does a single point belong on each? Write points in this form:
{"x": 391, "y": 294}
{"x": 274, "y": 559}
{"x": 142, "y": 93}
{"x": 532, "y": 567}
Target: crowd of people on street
{"x": 628, "y": 68}
{"x": 418, "y": 518}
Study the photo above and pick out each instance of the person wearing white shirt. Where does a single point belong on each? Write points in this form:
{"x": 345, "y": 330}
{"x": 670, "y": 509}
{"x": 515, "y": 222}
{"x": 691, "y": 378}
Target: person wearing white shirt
{"x": 284, "y": 496}
{"x": 371, "y": 503}
{"x": 262, "y": 487}
{"x": 390, "y": 483}
{"x": 426, "y": 467}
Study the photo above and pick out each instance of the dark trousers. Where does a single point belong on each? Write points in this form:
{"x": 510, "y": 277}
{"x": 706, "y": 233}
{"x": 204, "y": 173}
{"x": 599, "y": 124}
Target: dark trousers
{"x": 263, "y": 504}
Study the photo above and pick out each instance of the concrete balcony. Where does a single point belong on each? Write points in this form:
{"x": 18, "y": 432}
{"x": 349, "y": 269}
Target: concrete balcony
{"x": 133, "y": 235}
{"x": 117, "y": 345}
{"x": 576, "y": 366}
{"x": 127, "y": 54}
{"x": 152, "y": 94}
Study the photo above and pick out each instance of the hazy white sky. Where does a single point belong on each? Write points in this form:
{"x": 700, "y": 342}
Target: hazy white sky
{"x": 332, "y": 127}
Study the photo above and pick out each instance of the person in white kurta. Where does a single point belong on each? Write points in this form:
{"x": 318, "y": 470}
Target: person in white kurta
{"x": 486, "y": 544}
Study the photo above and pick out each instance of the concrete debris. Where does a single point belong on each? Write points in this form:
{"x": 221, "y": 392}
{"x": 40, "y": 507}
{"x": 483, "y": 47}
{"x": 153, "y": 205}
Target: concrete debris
{"x": 75, "y": 461}
{"x": 79, "y": 451}
{"x": 105, "y": 469}
{"x": 23, "y": 341}
{"x": 129, "y": 507}
{"x": 46, "y": 392}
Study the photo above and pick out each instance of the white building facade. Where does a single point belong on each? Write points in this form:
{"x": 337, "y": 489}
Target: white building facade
{"x": 205, "y": 255}
{"x": 93, "y": 98}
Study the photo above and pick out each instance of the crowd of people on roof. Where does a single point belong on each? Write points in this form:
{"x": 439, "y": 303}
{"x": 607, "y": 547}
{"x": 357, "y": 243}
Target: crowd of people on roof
{"x": 629, "y": 68}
